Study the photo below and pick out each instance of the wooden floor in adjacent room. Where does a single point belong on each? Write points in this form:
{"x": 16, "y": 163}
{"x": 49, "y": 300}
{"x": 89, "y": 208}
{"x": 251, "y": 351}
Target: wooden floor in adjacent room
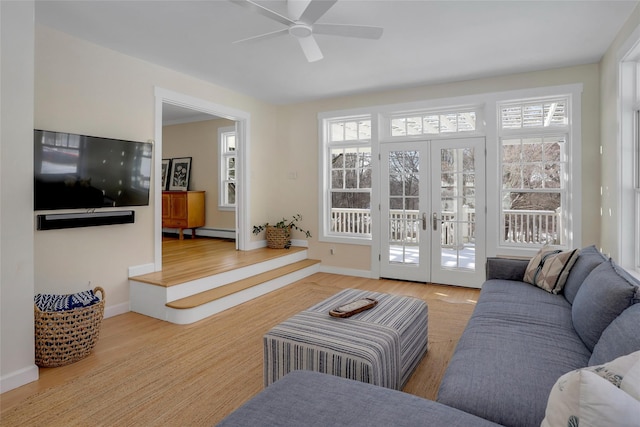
{"x": 146, "y": 372}
{"x": 192, "y": 259}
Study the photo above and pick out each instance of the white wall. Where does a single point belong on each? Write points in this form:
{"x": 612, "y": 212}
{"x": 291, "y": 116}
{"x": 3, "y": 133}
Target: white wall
{"x": 16, "y": 195}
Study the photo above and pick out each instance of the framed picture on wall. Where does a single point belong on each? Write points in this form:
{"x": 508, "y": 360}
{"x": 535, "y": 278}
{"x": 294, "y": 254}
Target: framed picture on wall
{"x": 166, "y": 167}
{"x": 180, "y": 172}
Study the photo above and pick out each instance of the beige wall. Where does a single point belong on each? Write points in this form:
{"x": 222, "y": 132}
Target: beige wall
{"x": 83, "y": 88}
{"x": 609, "y": 119}
{"x": 299, "y": 126}
{"x": 199, "y": 140}
{"x": 16, "y": 195}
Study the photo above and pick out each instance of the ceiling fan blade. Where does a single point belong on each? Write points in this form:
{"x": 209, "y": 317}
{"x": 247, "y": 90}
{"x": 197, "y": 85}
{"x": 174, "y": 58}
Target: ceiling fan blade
{"x": 265, "y": 36}
{"x": 310, "y": 48}
{"x": 263, "y": 11}
{"x": 359, "y": 31}
{"x": 296, "y": 7}
{"x": 315, "y": 10}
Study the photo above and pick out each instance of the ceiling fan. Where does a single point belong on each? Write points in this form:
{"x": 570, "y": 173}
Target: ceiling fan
{"x": 302, "y": 24}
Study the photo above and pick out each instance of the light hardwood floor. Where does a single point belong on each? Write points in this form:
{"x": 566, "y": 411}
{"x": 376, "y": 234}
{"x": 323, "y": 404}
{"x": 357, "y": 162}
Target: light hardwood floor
{"x": 192, "y": 259}
{"x": 144, "y": 371}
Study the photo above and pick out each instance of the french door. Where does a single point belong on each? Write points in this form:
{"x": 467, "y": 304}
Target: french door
{"x": 433, "y": 211}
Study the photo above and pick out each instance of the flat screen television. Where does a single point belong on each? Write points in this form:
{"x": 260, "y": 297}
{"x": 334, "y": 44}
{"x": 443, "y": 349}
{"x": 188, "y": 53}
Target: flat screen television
{"x": 85, "y": 172}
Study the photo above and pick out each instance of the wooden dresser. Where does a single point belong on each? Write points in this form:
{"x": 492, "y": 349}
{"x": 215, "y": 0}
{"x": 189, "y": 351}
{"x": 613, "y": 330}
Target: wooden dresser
{"x": 183, "y": 209}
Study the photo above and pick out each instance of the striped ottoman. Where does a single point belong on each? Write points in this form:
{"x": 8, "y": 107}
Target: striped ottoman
{"x": 380, "y": 346}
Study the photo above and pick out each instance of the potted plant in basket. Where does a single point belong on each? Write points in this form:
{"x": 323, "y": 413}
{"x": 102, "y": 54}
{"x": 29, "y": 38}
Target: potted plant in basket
{"x": 278, "y": 235}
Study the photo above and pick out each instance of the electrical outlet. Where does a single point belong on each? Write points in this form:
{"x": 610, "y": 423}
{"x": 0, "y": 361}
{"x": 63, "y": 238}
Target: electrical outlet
{"x": 331, "y": 251}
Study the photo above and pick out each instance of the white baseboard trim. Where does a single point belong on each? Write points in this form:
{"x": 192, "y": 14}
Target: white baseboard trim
{"x": 216, "y": 232}
{"x": 222, "y": 233}
{"x": 257, "y": 244}
{"x": 139, "y": 270}
{"x": 346, "y": 271}
{"x": 300, "y": 243}
{"x": 18, "y": 378}
{"x": 114, "y": 310}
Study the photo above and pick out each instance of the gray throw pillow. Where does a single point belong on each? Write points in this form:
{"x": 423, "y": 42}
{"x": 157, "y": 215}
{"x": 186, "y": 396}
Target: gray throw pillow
{"x": 590, "y": 257}
{"x": 606, "y": 292}
{"x": 621, "y": 337}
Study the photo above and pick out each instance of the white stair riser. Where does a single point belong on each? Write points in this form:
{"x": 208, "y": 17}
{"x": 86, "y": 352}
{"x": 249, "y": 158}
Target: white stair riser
{"x": 191, "y": 315}
{"x": 148, "y": 299}
{"x": 193, "y": 287}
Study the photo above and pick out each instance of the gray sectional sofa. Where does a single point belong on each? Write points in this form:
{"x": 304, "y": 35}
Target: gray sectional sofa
{"x": 519, "y": 340}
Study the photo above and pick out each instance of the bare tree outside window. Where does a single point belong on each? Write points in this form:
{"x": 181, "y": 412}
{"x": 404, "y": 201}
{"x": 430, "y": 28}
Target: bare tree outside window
{"x": 533, "y": 166}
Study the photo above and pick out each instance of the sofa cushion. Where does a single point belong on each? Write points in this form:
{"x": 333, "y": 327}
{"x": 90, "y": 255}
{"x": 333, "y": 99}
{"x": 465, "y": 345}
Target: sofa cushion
{"x": 621, "y": 337}
{"x": 590, "y": 257}
{"x": 604, "y": 395}
{"x": 518, "y": 342}
{"x": 606, "y": 292}
{"x": 305, "y": 398}
{"x": 549, "y": 268}
{"x": 506, "y": 268}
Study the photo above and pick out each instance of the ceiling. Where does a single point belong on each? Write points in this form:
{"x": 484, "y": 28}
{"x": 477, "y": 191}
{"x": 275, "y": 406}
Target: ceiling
{"x": 424, "y": 42}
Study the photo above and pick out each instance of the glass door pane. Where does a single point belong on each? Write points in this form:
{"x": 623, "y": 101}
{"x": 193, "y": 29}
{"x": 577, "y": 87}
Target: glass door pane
{"x": 457, "y": 200}
{"x": 404, "y": 205}
{"x": 458, "y": 211}
{"x": 405, "y": 243}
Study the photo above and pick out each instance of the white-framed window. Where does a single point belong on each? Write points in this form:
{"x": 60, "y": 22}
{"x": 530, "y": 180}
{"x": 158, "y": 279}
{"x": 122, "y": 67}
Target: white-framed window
{"x": 438, "y": 123}
{"x": 227, "y": 175}
{"x": 628, "y": 155}
{"x": 637, "y": 175}
{"x": 541, "y": 127}
{"x": 347, "y": 177}
{"x": 534, "y": 163}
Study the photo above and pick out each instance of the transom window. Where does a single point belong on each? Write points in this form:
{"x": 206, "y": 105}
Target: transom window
{"x": 434, "y": 123}
{"x": 534, "y": 115}
{"x": 533, "y": 161}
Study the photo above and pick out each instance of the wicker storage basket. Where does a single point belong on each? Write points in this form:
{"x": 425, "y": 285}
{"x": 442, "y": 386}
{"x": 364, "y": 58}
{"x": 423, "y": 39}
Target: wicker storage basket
{"x": 277, "y": 238}
{"x": 64, "y": 337}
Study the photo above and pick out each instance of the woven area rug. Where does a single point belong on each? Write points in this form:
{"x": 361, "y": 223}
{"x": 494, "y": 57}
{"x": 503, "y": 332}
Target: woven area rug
{"x": 446, "y": 323}
{"x": 193, "y": 375}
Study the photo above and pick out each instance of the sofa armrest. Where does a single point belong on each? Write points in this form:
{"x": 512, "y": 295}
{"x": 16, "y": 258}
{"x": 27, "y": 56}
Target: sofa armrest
{"x": 312, "y": 399}
{"x": 506, "y": 268}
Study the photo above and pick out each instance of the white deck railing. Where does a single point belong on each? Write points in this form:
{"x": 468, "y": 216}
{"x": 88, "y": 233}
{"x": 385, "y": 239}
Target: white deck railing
{"x": 351, "y": 221}
{"x": 520, "y": 226}
{"x": 533, "y": 227}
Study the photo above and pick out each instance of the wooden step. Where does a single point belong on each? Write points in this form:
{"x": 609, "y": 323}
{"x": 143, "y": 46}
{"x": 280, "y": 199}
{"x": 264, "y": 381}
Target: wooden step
{"x": 223, "y": 291}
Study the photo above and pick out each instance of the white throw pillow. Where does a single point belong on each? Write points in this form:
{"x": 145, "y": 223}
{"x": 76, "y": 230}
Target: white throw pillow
{"x": 600, "y": 395}
{"x": 631, "y": 381}
{"x": 603, "y": 404}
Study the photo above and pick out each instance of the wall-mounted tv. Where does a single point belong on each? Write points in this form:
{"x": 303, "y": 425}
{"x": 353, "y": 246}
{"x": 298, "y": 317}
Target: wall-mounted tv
{"x": 85, "y": 172}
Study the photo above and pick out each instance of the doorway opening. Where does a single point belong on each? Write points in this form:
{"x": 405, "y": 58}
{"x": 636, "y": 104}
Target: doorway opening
{"x": 181, "y": 104}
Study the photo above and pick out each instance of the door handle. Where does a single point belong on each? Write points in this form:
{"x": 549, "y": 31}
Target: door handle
{"x": 435, "y": 221}
{"x": 424, "y": 220}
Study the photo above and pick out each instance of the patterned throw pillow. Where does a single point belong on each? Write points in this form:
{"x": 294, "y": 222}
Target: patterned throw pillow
{"x": 549, "y": 268}
{"x": 53, "y": 302}
{"x": 604, "y": 395}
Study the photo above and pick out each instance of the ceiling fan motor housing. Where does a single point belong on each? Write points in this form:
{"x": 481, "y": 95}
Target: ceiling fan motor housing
{"x": 300, "y": 30}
